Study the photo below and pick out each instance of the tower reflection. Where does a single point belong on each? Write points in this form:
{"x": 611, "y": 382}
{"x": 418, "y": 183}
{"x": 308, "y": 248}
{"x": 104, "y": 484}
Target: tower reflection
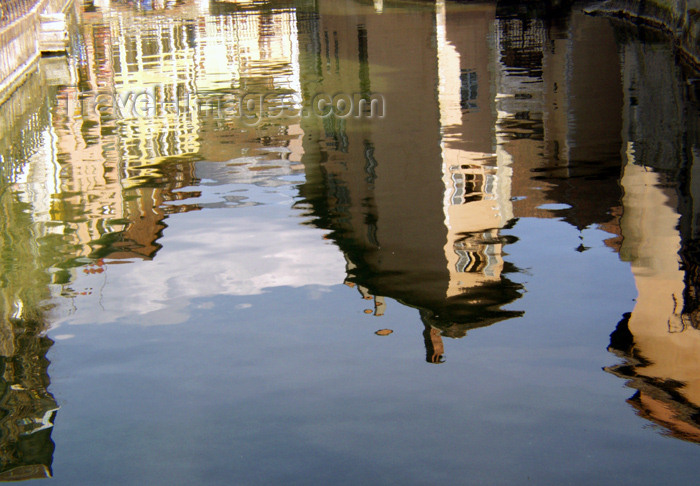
{"x": 417, "y": 199}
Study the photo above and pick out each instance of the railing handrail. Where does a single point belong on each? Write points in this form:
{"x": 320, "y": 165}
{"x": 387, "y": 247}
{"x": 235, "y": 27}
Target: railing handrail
{"x": 11, "y": 10}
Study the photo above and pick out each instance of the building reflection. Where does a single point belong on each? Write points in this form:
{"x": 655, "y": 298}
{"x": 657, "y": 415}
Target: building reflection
{"x": 551, "y": 112}
{"x": 144, "y": 118}
{"x": 418, "y": 199}
{"x": 27, "y": 408}
{"x": 622, "y": 160}
{"x": 659, "y": 341}
{"x": 421, "y": 202}
{"x": 561, "y": 101}
{"x": 88, "y": 188}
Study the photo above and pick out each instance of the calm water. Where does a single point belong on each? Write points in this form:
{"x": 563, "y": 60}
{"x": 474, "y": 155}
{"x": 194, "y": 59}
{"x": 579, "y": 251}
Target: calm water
{"x": 487, "y": 272}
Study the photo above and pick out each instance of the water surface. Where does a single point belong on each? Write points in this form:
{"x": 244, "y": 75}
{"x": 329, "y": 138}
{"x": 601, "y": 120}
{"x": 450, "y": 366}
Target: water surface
{"x": 486, "y": 272}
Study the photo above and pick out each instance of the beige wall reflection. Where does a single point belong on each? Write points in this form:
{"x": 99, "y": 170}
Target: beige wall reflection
{"x": 477, "y": 200}
{"x": 416, "y": 199}
{"x": 659, "y": 340}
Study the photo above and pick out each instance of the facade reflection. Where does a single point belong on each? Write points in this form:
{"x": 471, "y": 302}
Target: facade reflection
{"x": 27, "y": 408}
{"x": 416, "y": 200}
{"x": 566, "y": 126}
{"x": 622, "y": 160}
{"x": 146, "y": 109}
{"x": 560, "y": 100}
{"x": 149, "y": 120}
{"x": 497, "y": 130}
{"x": 88, "y": 188}
{"x": 659, "y": 340}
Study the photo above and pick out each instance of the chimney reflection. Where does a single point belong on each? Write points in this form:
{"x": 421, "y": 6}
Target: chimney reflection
{"x": 434, "y": 349}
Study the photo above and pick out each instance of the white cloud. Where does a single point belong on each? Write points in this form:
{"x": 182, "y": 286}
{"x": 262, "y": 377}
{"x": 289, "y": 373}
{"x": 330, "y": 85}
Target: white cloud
{"x": 207, "y": 253}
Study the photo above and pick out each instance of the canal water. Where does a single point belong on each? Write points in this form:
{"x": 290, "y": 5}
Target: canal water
{"x": 343, "y": 241}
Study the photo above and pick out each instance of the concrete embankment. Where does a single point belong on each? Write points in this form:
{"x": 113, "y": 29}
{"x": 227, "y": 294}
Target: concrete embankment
{"x": 680, "y": 18}
{"x": 20, "y": 31}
